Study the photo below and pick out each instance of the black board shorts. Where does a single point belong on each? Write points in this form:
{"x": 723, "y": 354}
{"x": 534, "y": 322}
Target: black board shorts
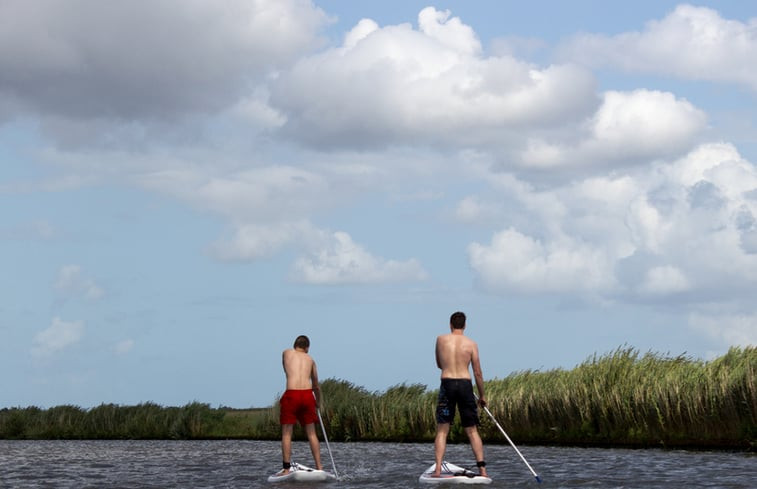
{"x": 457, "y": 394}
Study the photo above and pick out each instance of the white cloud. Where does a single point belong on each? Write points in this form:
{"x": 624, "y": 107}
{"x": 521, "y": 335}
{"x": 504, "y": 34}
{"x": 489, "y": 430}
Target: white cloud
{"x": 728, "y": 329}
{"x": 513, "y": 261}
{"x": 679, "y": 227}
{"x": 450, "y": 32}
{"x": 72, "y": 281}
{"x": 664, "y": 280}
{"x": 255, "y": 241}
{"x": 472, "y": 209}
{"x": 59, "y": 336}
{"x": 124, "y": 346}
{"x": 263, "y": 194}
{"x": 145, "y": 58}
{"x": 690, "y": 42}
{"x": 397, "y": 85}
{"x": 342, "y": 261}
{"x": 638, "y": 126}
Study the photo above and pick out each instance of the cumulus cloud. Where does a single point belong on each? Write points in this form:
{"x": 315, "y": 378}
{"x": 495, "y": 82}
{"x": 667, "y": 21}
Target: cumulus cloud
{"x": 680, "y": 228}
{"x": 72, "y": 281}
{"x": 690, "y": 42}
{"x": 342, "y": 261}
{"x": 59, "y": 336}
{"x": 664, "y": 280}
{"x": 145, "y": 59}
{"x": 515, "y": 261}
{"x": 397, "y": 85}
{"x": 638, "y": 126}
{"x": 326, "y": 258}
{"x": 124, "y": 346}
{"x": 255, "y": 241}
{"x": 728, "y": 329}
{"x": 259, "y": 194}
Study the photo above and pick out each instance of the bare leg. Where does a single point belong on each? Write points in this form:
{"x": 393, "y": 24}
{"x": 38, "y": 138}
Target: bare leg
{"x": 315, "y": 447}
{"x": 286, "y": 444}
{"x": 477, "y": 445}
{"x": 440, "y": 446}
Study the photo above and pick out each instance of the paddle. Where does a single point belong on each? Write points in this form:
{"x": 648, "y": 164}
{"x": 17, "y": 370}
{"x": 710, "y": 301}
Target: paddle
{"x": 326, "y": 438}
{"x": 538, "y": 479}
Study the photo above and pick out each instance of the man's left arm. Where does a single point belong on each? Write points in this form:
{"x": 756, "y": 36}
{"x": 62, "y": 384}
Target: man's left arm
{"x": 478, "y": 375}
{"x": 315, "y": 386}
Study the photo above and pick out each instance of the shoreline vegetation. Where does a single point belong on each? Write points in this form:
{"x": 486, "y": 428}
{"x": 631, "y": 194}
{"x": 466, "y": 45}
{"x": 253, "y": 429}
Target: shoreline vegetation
{"x": 620, "y": 399}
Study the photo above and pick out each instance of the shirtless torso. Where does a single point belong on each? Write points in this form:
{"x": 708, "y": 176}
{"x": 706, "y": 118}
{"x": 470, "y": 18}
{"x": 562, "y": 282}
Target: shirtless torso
{"x": 301, "y": 372}
{"x": 299, "y": 368}
{"x": 455, "y": 355}
{"x": 297, "y": 403}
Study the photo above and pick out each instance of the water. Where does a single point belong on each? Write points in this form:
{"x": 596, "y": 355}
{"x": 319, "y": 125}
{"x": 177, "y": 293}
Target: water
{"x": 244, "y": 464}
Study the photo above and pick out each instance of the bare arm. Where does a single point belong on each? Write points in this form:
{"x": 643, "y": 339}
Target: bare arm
{"x": 478, "y": 375}
{"x": 438, "y": 361}
{"x": 316, "y": 387}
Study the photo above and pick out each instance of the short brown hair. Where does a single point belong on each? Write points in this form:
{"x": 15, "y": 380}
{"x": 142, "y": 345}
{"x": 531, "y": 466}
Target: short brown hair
{"x": 457, "y": 320}
{"x": 302, "y": 341}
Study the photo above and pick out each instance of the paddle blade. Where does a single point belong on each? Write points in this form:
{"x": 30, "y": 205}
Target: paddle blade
{"x": 538, "y": 479}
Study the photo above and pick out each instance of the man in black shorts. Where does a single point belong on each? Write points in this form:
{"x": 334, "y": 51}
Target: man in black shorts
{"x": 455, "y": 354}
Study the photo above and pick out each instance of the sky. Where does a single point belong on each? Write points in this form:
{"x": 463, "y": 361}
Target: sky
{"x": 186, "y": 186}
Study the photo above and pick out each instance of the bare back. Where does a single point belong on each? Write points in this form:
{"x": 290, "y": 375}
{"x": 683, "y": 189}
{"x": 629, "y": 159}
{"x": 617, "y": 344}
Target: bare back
{"x": 454, "y": 355}
{"x": 300, "y": 369}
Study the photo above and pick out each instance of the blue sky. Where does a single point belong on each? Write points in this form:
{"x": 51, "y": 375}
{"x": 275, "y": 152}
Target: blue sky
{"x": 185, "y": 187}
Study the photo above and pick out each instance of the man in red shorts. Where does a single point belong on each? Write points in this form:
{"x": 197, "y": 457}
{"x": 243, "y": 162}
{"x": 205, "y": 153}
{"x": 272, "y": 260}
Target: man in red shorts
{"x": 300, "y": 401}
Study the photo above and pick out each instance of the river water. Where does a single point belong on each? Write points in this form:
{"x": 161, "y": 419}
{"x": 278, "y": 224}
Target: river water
{"x": 244, "y": 464}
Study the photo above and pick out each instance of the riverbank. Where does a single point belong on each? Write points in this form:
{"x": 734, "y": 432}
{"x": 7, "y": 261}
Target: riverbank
{"x": 622, "y": 398}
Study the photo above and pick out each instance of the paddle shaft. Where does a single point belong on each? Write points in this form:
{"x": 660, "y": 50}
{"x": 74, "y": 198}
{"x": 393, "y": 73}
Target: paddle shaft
{"x": 538, "y": 479}
{"x": 326, "y": 438}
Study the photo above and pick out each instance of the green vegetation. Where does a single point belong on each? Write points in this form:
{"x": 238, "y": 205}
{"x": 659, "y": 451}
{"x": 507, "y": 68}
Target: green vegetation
{"x": 622, "y": 398}
{"x": 142, "y": 422}
{"x": 627, "y": 399}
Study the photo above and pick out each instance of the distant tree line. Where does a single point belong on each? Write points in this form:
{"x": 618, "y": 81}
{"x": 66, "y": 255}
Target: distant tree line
{"x": 622, "y": 398}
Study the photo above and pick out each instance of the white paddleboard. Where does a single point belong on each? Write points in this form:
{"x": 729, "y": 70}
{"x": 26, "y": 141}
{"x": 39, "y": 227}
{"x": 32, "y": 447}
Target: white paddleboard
{"x": 453, "y": 474}
{"x": 302, "y": 473}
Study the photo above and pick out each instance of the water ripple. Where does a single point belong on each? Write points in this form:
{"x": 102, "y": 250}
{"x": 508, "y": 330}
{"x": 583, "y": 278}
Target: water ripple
{"x": 245, "y": 464}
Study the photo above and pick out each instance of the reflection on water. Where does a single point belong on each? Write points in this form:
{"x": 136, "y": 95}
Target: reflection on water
{"x": 232, "y": 464}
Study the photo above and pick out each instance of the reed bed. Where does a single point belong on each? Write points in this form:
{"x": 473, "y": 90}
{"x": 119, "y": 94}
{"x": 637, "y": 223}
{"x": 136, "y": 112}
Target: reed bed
{"x": 109, "y": 421}
{"x": 622, "y": 398}
{"x": 625, "y": 398}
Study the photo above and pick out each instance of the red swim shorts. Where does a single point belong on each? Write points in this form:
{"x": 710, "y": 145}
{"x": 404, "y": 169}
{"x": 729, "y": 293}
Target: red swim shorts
{"x": 298, "y": 405}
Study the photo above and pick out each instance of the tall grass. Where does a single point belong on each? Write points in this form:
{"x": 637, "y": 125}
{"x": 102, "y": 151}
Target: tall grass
{"x": 109, "y": 421}
{"x": 632, "y": 399}
{"x": 620, "y": 398}
{"x": 351, "y": 413}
